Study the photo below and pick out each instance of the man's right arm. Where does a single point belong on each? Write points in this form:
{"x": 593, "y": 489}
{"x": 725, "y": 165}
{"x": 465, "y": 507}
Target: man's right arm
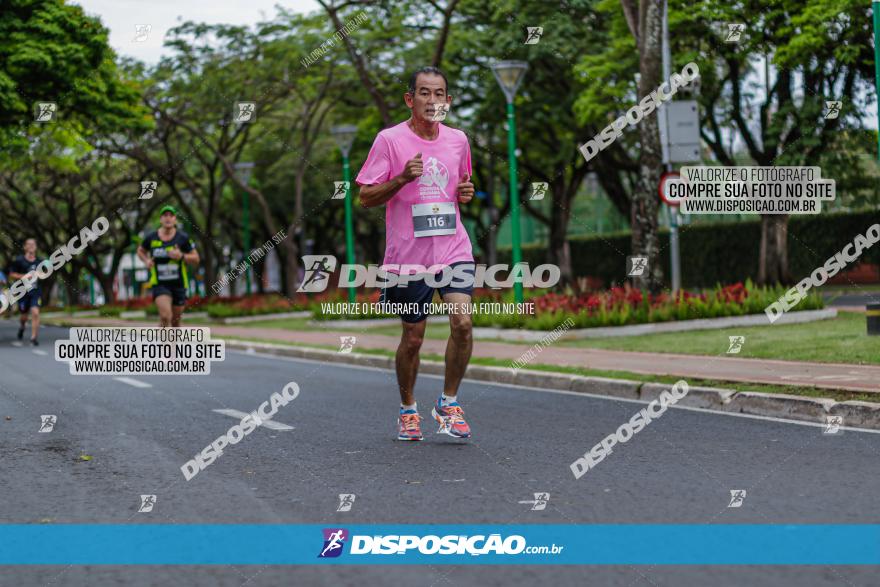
{"x": 371, "y": 196}
{"x": 144, "y": 256}
{"x": 14, "y": 274}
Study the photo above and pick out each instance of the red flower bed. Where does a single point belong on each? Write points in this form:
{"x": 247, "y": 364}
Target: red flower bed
{"x": 618, "y": 297}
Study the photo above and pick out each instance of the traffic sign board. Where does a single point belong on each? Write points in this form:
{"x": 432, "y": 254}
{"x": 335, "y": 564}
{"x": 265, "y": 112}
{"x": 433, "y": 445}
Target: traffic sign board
{"x": 684, "y": 131}
{"x": 663, "y": 187}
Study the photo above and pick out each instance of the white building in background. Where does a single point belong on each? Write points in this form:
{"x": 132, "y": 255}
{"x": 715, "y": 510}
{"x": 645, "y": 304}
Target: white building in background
{"x": 129, "y": 266}
{"x": 271, "y": 276}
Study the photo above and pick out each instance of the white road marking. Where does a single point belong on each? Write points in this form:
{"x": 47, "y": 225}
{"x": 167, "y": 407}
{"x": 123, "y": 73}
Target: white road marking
{"x": 267, "y": 423}
{"x": 132, "y": 382}
{"x": 40, "y": 352}
{"x": 576, "y": 394}
{"x": 16, "y": 343}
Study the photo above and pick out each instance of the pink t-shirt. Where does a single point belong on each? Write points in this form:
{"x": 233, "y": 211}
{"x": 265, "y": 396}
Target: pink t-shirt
{"x": 445, "y": 160}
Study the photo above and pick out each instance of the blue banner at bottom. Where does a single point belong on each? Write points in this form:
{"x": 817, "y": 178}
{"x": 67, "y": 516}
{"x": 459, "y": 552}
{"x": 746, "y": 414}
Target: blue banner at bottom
{"x": 165, "y": 544}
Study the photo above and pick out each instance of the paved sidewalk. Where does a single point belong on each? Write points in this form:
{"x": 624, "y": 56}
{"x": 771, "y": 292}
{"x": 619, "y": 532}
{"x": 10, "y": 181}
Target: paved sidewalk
{"x": 825, "y": 375}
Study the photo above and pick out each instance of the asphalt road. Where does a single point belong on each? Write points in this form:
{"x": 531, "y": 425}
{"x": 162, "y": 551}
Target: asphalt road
{"x": 857, "y": 300}
{"x": 680, "y": 469}
{"x": 721, "y": 367}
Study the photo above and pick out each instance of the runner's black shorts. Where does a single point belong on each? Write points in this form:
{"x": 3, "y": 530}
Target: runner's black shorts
{"x": 178, "y": 294}
{"x": 31, "y": 299}
{"x": 418, "y": 293}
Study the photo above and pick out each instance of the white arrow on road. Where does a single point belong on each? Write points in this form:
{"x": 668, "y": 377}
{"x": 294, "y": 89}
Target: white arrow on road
{"x": 267, "y": 423}
{"x": 132, "y": 382}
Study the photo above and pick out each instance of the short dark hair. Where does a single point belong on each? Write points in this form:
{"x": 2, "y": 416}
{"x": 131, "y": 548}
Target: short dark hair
{"x": 430, "y": 69}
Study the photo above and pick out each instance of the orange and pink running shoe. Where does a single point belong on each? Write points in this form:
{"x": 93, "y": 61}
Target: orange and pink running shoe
{"x": 451, "y": 420}
{"x": 408, "y": 426}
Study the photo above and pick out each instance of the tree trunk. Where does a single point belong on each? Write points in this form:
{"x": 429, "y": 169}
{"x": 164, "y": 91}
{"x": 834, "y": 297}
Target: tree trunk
{"x": 282, "y": 272}
{"x": 257, "y": 276}
{"x": 491, "y": 246}
{"x": 492, "y": 237}
{"x": 360, "y": 67}
{"x": 487, "y": 237}
{"x": 106, "y": 283}
{"x": 560, "y": 252}
{"x": 773, "y": 263}
{"x": 375, "y": 244}
{"x": 297, "y": 228}
{"x": 71, "y": 283}
{"x": 47, "y": 286}
{"x": 645, "y": 240}
{"x": 290, "y": 272}
{"x": 207, "y": 258}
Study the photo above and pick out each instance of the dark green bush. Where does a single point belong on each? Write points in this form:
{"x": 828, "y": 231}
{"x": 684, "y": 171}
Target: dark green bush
{"x": 719, "y": 252}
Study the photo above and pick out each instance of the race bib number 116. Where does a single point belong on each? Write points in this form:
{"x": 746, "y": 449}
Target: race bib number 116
{"x": 433, "y": 219}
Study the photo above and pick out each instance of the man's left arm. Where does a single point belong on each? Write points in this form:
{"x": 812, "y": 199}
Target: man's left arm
{"x": 16, "y": 272}
{"x": 190, "y": 253}
{"x": 465, "y": 188}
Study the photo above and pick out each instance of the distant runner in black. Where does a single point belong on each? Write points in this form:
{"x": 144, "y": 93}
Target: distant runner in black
{"x": 21, "y": 267}
{"x": 166, "y": 252}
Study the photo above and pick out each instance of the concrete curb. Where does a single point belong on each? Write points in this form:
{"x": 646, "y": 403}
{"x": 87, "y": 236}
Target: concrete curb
{"x": 780, "y": 405}
{"x": 369, "y": 322}
{"x": 261, "y": 317}
{"x": 855, "y": 414}
{"x": 855, "y": 411}
{"x": 82, "y": 314}
{"x": 707, "y": 398}
{"x": 141, "y": 314}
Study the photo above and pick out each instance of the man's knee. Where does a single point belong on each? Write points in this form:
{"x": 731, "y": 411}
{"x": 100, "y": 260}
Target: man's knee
{"x": 461, "y": 327}
{"x": 412, "y": 338}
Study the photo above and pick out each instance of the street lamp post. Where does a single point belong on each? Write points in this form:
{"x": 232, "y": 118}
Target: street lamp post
{"x": 131, "y": 217}
{"x": 344, "y": 136}
{"x": 509, "y": 75}
{"x": 133, "y": 275}
{"x": 244, "y": 170}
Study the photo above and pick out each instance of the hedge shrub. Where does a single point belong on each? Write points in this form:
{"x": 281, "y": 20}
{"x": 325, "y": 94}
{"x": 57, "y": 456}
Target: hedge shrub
{"x": 716, "y": 253}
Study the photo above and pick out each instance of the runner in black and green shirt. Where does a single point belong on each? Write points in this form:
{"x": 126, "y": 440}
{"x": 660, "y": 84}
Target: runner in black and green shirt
{"x": 166, "y": 252}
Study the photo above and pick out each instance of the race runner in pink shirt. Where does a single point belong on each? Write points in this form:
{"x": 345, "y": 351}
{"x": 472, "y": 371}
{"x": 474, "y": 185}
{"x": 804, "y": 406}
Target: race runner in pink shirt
{"x": 445, "y": 161}
{"x": 421, "y": 171}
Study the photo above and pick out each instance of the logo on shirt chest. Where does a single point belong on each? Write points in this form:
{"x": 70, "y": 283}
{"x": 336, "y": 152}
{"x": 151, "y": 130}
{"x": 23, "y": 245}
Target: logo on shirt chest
{"x": 434, "y": 179}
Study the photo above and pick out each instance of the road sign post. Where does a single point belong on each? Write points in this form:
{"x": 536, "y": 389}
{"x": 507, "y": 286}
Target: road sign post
{"x": 875, "y": 7}
{"x": 665, "y": 141}
{"x": 672, "y": 206}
